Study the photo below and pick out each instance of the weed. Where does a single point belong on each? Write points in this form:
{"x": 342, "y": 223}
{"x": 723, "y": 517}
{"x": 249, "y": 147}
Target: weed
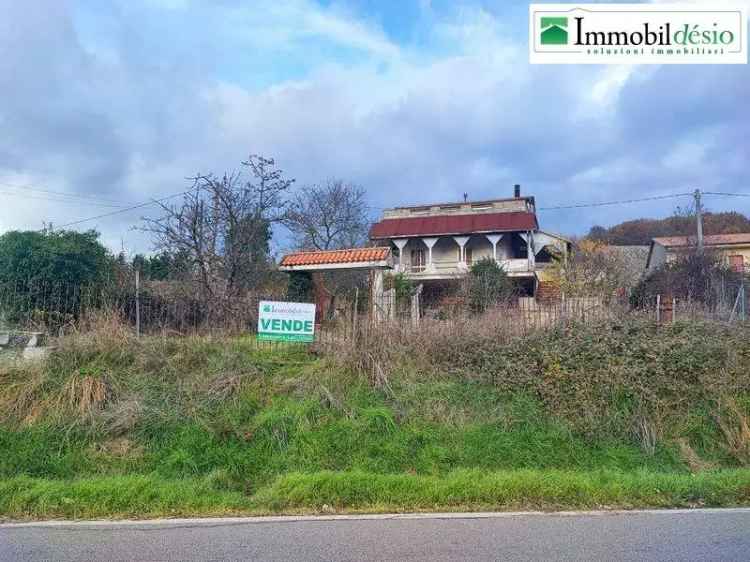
{"x": 735, "y": 426}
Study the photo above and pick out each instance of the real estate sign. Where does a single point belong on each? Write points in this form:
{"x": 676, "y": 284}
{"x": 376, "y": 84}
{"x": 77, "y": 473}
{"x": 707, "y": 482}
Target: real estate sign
{"x": 286, "y": 321}
{"x": 644, "y": 33}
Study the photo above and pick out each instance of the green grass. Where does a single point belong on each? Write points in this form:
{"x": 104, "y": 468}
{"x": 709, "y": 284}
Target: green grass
{"x": 211, "y": 427}
{"x": 23, "y": 497}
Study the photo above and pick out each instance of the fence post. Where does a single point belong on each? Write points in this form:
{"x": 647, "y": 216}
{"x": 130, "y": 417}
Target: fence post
{"x": 674, "y": 310}
{"x": 137, "y": 303}
{"x": 355, "y": 314}
{"x": 658, "y": 308}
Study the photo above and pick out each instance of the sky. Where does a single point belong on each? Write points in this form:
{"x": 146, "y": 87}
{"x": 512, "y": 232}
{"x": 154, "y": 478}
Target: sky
{"x": 106, "y": 104}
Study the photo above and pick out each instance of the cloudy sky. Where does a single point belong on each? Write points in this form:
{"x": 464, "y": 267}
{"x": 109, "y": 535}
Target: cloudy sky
{"x": 416, "y": 100}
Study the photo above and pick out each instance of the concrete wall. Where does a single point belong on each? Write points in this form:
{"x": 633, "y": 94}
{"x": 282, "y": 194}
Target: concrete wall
{"x": 522, "y": 204}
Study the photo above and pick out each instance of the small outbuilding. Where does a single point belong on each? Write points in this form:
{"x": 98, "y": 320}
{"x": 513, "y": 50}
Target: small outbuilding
{"x": 374, "y": 260}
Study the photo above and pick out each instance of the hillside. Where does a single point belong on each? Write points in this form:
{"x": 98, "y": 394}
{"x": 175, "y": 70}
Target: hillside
{"x": 601, "y": 416}
{"x": 641, "y": 231}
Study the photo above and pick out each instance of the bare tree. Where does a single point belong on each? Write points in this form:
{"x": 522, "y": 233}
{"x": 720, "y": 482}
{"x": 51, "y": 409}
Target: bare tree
{"x": 330, "y": 216}
{"x": 593, "y": 269}
{"x": 224, "y": 225}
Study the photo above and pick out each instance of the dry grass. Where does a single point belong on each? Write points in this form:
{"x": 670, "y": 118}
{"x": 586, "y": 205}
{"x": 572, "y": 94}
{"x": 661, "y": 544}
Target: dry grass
{"x": 646, "y": 433}
{"x": 19, "y": 396}
{"x": 86, "y": 393}
{"x": 735, "y": 427}
{"x": 122, "y": 416}
{"x": 694, "y": 462}
{"x": 620, "y": 375}
{"x": 378, "y": 349}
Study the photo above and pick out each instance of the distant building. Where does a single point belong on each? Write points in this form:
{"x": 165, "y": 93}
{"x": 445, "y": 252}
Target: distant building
{"x": 733, "y": 248}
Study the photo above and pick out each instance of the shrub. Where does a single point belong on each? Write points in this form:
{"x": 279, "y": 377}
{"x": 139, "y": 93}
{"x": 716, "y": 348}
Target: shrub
{"x": 693, "y": 277}
{"x": 487, "y": 285}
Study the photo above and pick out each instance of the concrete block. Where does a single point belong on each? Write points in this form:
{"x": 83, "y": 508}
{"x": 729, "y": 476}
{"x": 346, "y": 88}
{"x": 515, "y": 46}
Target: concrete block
{"x": 35, "y": 353}
{"x": 34, "y": 339}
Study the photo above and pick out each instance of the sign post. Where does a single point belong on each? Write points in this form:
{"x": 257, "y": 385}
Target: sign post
{"x": 286, "y": 321}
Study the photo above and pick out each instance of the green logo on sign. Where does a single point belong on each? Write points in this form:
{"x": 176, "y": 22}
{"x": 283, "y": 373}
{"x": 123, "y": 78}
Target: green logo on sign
{"x": 554, "y": 31}
{"x": 267, "y": 308}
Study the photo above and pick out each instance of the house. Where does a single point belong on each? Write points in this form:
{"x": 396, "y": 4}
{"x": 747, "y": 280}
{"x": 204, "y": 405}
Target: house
{"x": 733, "y": 248}
{"x": 438, "y": 243}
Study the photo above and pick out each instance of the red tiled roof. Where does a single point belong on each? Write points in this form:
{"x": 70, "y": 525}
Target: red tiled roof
{"x": 453, "y": 224}
{"x": 708, "y": 240}
{"x": 325, "y": 257}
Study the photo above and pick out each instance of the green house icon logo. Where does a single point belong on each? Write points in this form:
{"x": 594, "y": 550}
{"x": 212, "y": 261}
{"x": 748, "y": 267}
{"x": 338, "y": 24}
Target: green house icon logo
{"x": 554, "y": 31}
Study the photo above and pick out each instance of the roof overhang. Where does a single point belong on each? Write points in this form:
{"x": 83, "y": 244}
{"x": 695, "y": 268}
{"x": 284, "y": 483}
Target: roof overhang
{"x": 381, "y": 264}
{"x": 332, "y": 260}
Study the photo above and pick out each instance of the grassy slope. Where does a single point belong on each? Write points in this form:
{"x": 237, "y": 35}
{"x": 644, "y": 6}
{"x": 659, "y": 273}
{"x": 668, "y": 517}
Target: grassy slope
{"x": 184, "y": 427}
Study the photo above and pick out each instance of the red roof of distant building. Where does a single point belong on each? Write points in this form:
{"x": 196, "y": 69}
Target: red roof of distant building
{"x": 326, "y": 257}
{"x": 708, "y": 240}
{"x": 453, "y": 224}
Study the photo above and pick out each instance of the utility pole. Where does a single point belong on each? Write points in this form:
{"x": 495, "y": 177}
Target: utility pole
{"x": 699, "y": 219}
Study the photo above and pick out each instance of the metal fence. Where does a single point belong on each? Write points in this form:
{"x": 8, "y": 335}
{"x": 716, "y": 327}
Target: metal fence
{"x": 183, "y": 308}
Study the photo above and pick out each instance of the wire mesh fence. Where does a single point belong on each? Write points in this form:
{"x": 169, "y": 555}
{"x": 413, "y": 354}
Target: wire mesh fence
{"x": 182, "y": 308}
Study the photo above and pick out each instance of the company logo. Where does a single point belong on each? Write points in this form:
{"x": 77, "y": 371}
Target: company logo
{"x": 554, "y": 31}
{"x": 637, "y": 34}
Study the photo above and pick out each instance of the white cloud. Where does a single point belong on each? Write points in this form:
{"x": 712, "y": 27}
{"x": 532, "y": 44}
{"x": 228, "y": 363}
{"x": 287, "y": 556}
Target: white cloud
{"x": 410, "y": 124}
{"x": 292, "y": 24}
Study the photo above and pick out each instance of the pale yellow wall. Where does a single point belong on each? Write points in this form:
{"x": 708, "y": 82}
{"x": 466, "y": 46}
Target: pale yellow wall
{"x": 725, "y": 252}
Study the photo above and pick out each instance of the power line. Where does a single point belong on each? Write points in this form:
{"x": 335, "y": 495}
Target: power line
{"x": 726, "y": 194}
{"x": 61, "y": 193}
{"x": 597, "y": 204}
{"x": 610, "y": 203}
{"x": 550, "y": 208}
{"x": 126, "y": 209}
{"x": 27, "y": 196}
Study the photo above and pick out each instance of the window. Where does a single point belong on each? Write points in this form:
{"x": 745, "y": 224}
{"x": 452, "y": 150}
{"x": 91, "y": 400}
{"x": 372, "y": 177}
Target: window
{"x": 737, "y": 263}
{"x": 417, "y": 260}
{"x": 469, "y": 258}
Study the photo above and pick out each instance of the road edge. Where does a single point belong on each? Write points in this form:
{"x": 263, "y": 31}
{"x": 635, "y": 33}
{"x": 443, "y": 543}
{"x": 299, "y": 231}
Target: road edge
{"x": 259, "y": 520}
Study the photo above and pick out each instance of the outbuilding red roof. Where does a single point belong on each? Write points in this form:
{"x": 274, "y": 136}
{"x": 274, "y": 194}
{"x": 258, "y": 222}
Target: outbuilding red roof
{"x": 708, "y": 240}
{"x": 326, "y": 257}
{"x": 453, "y": 224}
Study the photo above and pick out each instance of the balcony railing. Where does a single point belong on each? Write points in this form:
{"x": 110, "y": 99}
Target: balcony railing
{"x": 515, "y": 265}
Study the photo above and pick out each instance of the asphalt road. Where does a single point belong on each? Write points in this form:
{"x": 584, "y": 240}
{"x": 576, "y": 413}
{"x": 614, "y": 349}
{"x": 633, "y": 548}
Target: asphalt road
{"x": 651, "y": 535}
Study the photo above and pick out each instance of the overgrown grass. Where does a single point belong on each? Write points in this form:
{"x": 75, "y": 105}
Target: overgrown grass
{"x": 23, "y": 497}
{"x": 610, "y": 415}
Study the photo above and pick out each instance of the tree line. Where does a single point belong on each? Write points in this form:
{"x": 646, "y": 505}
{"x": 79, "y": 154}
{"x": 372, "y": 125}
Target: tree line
{"x": 639, "y": 232}
{"x": 218, "y": 235}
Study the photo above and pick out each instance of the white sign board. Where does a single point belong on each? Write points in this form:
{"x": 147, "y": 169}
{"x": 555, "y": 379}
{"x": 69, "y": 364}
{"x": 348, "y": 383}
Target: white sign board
{"x": 645, "y": 33}
{"x": 286, "y": 321}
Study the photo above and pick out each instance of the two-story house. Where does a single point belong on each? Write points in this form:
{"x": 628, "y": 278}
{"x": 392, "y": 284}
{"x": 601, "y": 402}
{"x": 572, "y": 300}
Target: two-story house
{"x": 439, "y": 242}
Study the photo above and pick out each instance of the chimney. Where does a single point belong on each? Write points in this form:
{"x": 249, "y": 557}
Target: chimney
{"x": 517, "y": 190}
